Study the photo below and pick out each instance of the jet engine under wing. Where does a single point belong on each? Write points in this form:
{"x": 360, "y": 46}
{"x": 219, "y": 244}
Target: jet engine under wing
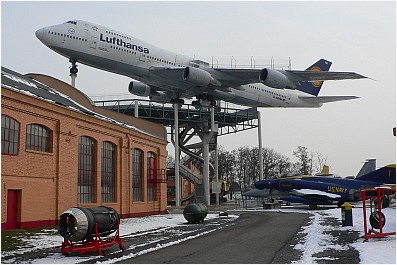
{"x": 326, "y": 99}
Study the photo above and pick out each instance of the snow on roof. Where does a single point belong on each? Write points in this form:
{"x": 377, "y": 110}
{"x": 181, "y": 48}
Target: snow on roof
{"x": 17, "y": 82}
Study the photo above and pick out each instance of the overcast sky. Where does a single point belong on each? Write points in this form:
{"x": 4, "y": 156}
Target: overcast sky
{"x": 355, "y": 36}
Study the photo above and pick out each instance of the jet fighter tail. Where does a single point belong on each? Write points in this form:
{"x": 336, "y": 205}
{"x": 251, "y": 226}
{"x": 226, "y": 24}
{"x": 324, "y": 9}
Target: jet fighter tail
{"x": 383, "y": 175}
{"x": 369, "y": 166}
{"x": 313, "y": 88}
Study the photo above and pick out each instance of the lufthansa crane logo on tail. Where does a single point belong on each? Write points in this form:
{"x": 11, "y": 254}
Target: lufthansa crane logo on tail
{"x": 318, "y": 83}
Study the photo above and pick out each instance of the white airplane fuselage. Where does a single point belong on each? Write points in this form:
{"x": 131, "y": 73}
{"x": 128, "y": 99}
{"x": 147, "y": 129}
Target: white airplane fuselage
{"x": 119, "y": 53}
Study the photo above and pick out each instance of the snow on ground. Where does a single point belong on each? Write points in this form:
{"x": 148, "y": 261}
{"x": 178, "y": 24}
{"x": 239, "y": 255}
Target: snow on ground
{"x": 128, "y": 226}
{"x": 376, "y": 250}
{"x": 380, "y": 250}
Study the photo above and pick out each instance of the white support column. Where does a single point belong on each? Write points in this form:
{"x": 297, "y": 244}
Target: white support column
{"x": 206, "y": 169}
{"x": 73, "y": 76}
{"x": 216, "y": 172}
{"x": 260, "y": 146}
{"x": 214, "y": 129}
{"x": 177, "y": 156}
{"x": 136, "y": 109}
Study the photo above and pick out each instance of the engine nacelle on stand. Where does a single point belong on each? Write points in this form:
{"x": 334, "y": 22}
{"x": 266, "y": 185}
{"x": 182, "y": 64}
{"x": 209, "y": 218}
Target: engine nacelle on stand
{"x": 77, "y": 224}
{"x": 82, "y": 229}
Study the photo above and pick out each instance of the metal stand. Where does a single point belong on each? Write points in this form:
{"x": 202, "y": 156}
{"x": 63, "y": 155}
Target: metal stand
{"x": 177, "y": 157}
{"x": 186, "y": 122}
{"x": 91, "y": 244}
{"x": 378, "y": 194}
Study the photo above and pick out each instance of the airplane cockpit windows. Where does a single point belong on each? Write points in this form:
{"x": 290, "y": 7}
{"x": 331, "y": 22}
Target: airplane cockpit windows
{"x": 71, "y": 22}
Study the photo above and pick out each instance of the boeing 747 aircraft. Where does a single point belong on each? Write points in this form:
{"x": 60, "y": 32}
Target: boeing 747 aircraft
{"x": 168, "y": 77}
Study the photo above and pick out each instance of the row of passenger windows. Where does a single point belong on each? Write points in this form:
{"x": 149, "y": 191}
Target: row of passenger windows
{"x": 114, "y": 47}
{"x": 123, "y": 50}
{"x": 67, "y": 36}
{"x": 148, "y": 57}
{"x": 118, "y": 35}
{"x": 267, "y": 91}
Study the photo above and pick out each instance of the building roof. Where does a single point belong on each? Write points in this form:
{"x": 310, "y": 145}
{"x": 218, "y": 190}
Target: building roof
{"x": 73, "y": 99}
{"x": 16, "y": 81}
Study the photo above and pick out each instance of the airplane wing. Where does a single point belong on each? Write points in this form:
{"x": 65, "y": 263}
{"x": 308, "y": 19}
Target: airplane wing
{"x": 228, "y": 77}
{"x": 172, "y": 73}
{"x": 249, "y": 76}
{"x": 309, "y": 75}
{"x": 226, "y": 80}
{"x": 327, "y": 99}
{"x": 256, "y": 193}
{"x": 311, "y": 197}
{"x": 315, "y": 194}
{"x": 236, "y": 77}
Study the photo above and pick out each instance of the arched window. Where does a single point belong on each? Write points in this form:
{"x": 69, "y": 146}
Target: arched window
{"x": 137, "y": 175}
{"x": 108, "y": 176}
{"x": 86, "y": 170}
{"x": 151, "y": 175}
{"x": 38, "y": 138}
{"x": 9, "y": 135}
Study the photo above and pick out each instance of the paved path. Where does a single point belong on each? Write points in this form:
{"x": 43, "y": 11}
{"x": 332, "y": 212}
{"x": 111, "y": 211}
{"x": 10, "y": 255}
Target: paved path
{"x": 254, "y": 238}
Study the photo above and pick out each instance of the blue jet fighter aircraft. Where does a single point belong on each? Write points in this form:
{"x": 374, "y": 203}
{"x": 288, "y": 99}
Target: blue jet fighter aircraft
{"x": 318, "y": 190}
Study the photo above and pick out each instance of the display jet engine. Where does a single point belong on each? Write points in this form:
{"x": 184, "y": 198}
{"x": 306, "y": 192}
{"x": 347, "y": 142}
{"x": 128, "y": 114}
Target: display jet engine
{"x": 77, "y": 224}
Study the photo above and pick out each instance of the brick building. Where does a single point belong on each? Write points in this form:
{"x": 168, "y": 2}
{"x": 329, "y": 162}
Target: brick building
{"x": 61, "y": 151}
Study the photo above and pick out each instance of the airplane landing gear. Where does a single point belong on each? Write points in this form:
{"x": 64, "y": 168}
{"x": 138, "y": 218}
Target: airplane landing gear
{"x": 177, "y": 100}
{"x": 73, "y": 72}
{"x": 204, "y": 100}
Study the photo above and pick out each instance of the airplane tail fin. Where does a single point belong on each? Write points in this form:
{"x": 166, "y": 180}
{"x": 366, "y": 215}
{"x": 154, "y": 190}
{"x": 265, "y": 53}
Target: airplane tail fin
{"x": 385, "y": 175}
{"x": 369, "y": 166}
{"x": 325, "y": 170}
{"x": 313, "y": 88}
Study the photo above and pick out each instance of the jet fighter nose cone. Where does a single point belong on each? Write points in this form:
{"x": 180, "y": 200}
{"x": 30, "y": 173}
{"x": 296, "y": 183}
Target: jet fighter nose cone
{"x": 40, "y": 34}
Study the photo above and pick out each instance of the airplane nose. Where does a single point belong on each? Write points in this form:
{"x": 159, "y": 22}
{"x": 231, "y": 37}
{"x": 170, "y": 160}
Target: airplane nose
{"x": 263, "y": 184}
{"x": 40, "y": 34}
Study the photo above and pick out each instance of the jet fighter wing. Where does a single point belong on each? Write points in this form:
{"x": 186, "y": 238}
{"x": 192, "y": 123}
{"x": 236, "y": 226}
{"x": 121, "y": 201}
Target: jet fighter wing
{"x": 311, "y": 197}
{"x": 315, "y": 194}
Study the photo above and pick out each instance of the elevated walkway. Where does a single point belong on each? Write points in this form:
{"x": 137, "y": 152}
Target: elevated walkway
{"x": 229, "y": 120}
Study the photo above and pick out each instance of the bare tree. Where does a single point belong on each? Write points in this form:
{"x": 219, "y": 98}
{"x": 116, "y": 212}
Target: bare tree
{"x": 170, "y": 161}
{"x": 305, "y": 160}
{"x": 319, "y": 161}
